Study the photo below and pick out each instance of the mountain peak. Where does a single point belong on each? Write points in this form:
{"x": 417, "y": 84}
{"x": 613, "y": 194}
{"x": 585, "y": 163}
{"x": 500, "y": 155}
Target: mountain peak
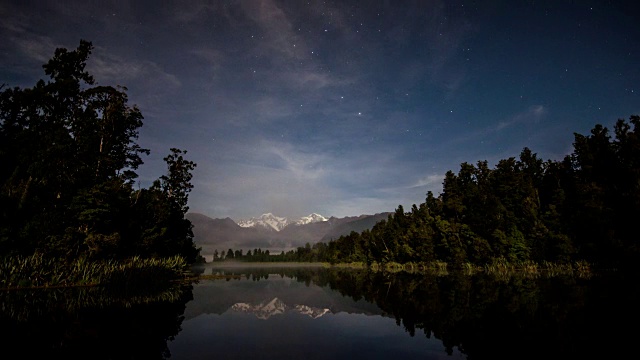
{"x": 265, "y": 310}
{"x": 311, "y": 218}
{"x": 268, "y": 221}
{"x": 277, "y": 223}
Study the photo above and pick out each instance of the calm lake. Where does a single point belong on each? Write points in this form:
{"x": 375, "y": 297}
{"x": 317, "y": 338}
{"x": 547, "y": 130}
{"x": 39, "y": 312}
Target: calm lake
{"x": 318, "y": 313}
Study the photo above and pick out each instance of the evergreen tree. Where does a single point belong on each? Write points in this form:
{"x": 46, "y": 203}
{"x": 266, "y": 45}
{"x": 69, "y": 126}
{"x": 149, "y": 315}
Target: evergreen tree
{"x": 69, "y": 153}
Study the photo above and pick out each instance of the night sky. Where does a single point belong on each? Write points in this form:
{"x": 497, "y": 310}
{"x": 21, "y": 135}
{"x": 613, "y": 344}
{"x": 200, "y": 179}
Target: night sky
{"x": 341, "y": 108}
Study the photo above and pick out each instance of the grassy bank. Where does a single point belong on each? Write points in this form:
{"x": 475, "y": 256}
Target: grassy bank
{"x": 38, "y": 271}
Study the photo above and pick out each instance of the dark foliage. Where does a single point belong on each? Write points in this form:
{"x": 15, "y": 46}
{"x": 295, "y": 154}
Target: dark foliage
{"x": 581, "y": 208}
{"x": 68, "y": 155}
{"x": 584, "y": 207}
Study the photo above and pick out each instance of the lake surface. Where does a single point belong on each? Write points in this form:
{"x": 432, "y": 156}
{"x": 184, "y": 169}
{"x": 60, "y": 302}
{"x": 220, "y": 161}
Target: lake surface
{"x": 283, "y": 314}
{"x": 316, "y": 313}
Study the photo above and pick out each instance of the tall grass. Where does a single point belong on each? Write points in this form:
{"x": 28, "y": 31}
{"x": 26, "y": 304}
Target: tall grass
{"x": 501, "y": 267}
{"x": 40, "y": 271}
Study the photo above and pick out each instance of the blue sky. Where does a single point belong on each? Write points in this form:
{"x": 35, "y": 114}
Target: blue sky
{"x": 345, "y": 107}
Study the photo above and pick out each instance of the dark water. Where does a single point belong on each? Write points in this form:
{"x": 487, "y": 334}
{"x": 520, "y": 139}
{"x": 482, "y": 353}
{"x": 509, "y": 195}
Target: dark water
{"x": 320, "y": 313}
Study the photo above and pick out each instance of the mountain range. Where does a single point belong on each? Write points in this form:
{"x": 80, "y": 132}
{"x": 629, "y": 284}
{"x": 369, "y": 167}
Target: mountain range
{"x": 265, "y": 310}
{"x": 277, "y": 294}
{"x": 276, "y": 223}
{"x": 273, "y": 233}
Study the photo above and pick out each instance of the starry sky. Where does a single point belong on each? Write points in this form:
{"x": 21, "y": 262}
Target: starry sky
{"x": 341, "y": 107}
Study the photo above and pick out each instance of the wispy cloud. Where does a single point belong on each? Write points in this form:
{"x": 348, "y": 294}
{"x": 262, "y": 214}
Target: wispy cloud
{"x": 303, "y": 166}
{"x": 295, "y": 179}
{"x": 35, "y": 47}
{"x": 429, "y": 181}
{"x": 531, "y": 115}
{"x": 270, "y": 177}
{"x": 195, "y": 10}
{"x": 152, "y": 87}
{"x": 269, "y": 108}
{"x": 19, "y": 39}
{"x": 279, "y": 34}
{"x": 115, "y": 69}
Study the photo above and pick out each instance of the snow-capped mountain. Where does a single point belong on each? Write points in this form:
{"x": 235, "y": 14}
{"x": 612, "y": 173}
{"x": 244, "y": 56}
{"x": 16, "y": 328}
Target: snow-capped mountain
{"x": 272, "y": 222}
{"x": 263, "y": 310}
{"x": 312, "y": 218}
{"x": 267, "y": 220}
{"x": 267, "y": 309}
{"x": 221, "y": 234}
{"x": 312, "y": 312}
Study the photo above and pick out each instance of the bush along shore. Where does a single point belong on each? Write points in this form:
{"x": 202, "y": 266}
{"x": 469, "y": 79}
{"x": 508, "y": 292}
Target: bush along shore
{"x": 38, "y": 271}
{"x": 499, "y": 267}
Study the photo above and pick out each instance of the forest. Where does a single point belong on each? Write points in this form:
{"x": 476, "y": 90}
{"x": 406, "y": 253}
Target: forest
{"x": 69, "y": 156}
{"x": 584, "y": 207}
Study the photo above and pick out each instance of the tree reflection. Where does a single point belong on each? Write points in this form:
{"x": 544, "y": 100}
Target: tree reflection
{"x": 493, "y": 317}
{"x": 92, "y": 323}
{"x": 489, "y": 317}
{"x": 481, "y": 315}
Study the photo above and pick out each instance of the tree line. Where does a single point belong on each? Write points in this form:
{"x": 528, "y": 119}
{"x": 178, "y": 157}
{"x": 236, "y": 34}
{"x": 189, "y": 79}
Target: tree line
{"x": 257, "y": 255}
{"x": 584, "y": 207}
{"x": 69, "y": 156}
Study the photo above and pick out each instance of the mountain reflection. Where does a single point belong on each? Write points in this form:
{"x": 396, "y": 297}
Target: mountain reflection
{"x": 265, "y": 310}
{"x": 348, "y": 314}
{"x": 262, "y": 311}
{"x": 481, "y": 316}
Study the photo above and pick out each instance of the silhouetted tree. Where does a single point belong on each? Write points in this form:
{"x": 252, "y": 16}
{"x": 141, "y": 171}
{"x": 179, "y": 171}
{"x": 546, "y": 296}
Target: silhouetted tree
{"x": 69, "y": 155}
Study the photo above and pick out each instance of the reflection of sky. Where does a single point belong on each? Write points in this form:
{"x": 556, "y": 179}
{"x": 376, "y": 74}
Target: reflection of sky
{"x": 292, "y": 336}
{"x": 352, "y": 330}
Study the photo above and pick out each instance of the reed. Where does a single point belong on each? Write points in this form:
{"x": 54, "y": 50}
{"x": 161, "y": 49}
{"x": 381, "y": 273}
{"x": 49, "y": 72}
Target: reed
{"x": 39, "y": 271}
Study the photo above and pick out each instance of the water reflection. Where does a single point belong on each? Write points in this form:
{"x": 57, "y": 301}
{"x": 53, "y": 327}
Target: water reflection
{"x": 459, "y": 315}
{"x": 274, "y": 314}
{"x": 319, "y": 313}
{"x": 91, "y": 323}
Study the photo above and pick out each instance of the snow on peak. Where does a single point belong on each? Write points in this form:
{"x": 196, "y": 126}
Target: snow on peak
{"x": 277, "y": 223}
{"x": 262, "y": 311}
{"x": 312, "y": 218}
{"x": 267, "y": 309}
{"x": 312, "y": 312}
{"x": 267, "y": 220}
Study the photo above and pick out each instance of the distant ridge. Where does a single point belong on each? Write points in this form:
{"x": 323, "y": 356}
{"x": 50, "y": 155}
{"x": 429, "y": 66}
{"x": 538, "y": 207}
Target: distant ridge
{"x": 359, "y": 224}
{"x": 222, "y": 234}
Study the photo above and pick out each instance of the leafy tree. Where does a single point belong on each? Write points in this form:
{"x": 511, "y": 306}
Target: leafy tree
{"x": 161, "y": 223}
{"x": 69, "y": 153}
